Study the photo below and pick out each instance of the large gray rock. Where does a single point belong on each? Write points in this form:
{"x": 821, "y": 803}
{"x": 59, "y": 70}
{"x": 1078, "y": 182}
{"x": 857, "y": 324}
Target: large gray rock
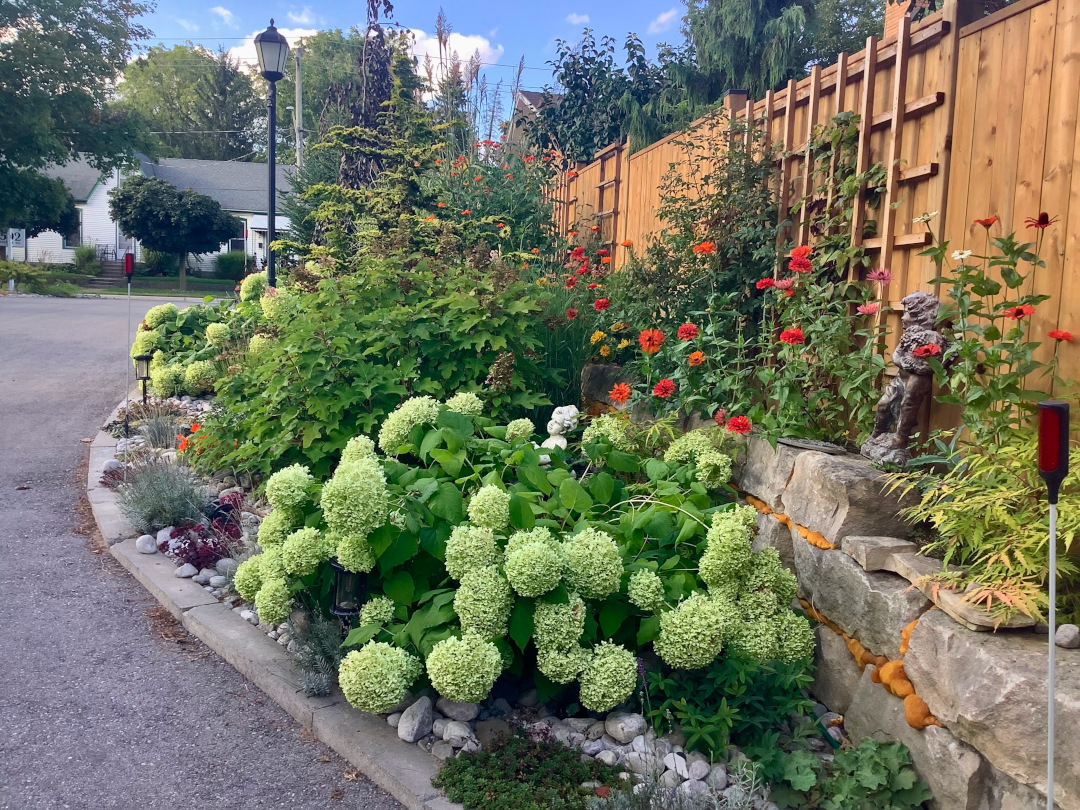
{"x": 873, "y": 608}
{"x": 874, "y": 553}
{"x": 990, "y": 690}
{"x": 772, "y": 533}
{"x": 954, "y": 771}
{"x": 624, "y": 726}
{"x": 1068, "y": 636}
{"x": 839, "y": 496}
{"x": 1002, "y": 792}
{"x": 836, "y": 675}
{"x": 644, "y": 763}
{"x": 458, "y": 711}
{"x": 766, "y": 472}
{"x": 416, "y": 721}
{"x": 146, "y": 544}
{"x": 597, "y": 380}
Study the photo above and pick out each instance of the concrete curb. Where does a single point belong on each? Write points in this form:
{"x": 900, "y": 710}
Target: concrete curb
{"x": 364, "y": 740}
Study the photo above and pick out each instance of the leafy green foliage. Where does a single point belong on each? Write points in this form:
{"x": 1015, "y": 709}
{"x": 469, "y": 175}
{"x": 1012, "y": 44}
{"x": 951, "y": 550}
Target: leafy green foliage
{"x": 732, "y": 700}
{"x": 86, "y": 261}
{"x": 232, "y": 265}
{"x": 158, "y": 493}
{"x": 517, "y": 774}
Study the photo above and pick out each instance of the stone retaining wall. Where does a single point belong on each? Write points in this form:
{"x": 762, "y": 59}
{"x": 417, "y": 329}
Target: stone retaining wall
{"x": 842, "y": 535}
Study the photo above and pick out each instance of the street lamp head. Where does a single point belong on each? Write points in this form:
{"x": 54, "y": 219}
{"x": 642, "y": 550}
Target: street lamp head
{"x": 142, "y": 367}
{"x": 273, "y": 50}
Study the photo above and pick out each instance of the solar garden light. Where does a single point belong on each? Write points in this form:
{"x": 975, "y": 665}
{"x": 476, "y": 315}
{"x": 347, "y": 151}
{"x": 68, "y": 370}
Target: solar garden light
{"x": 1053, "y": 467}
{"x": 350, "y": 590}
{"x": 273, "y": 52}
{"x": 142, "y": 372}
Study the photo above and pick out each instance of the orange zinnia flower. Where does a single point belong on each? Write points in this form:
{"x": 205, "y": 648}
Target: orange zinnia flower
{"x": 1060, "y": 334}
{"x": 705, "y": 247}
{"x": 987, "y": 222}
{"x": 626, "y": 243}
{"x": 651, "y": 340}
{"x": 620, "y": 393}
{"x": 605, "y": 260}
{"x": 696, "y": 358}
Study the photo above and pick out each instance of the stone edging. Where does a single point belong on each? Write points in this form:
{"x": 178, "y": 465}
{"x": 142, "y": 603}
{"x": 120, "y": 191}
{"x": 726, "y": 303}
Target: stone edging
{"x": 364, "y": 740}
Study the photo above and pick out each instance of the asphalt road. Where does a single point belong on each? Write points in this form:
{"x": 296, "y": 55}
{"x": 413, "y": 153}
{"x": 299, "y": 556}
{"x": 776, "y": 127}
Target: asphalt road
{"x": 97, "y": 709}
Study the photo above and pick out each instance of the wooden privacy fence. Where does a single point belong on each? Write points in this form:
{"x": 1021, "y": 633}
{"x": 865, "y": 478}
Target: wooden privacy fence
{"x": 969, "y": 120}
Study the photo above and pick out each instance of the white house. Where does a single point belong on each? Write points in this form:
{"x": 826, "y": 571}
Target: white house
{"x": 239, "y": 188}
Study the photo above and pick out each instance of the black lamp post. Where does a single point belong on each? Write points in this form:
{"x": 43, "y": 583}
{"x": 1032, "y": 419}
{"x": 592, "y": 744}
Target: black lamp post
{"x": 350, "y": 590}
{"x": 273, "y": 51}
{"x": 142, "y": 372}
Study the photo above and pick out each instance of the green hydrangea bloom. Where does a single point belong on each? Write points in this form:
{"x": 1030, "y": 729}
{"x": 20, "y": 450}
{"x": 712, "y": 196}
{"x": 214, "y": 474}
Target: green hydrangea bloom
{"x": 728, "y": 556}
{"x": 483, "y": 602}
{"x": 558, "y": 626}
{"x": 217, "y": 333}
{"x": 534, "y": 569}
{"x": 273, "y": 601}
{"x": 248, "y": 578}
{"x": 276, "y": 526}
{"x": 464, "y": 669}
{"x": 271, "y": 563}
{"x": 278, "y": 305}
{"x": 199, "y": 377}
{"x": 160, "y": 315}
{"x": 357, "y": 448}
{"x": 168, "y": 381}
{"x": 470, "y": 548}
{"x": 755, "y": 606}
{"x": 537, "y": 535}
{"x": 562, "y": 666}
{"x": 646, "y": 590}
{"x": 713, "y": 468}
{"x": 692, "y": 634}
{"x": 610, "y": 677}
{"x": 354, "y": 500}
{"x": 410, "y": 413}
{"x": 593, "y": 565}
{"x": 379, "y": 610}
{"x": 259, "y": 344}
{"x": 355, "y": 554}
{"x": 794, "y": 636}
{"x": 290, "y": 488}
{"x": 767, "y": 572}
{"x": 520, "y": 429}
{"x": 490, "y": 507}
{"x": 158, "y": 359}
{"x": 687, "y": 448}
{"x": 146, "y": 342}
{"x": 611, "y": 427}
{"x": 253, "y": 286}
{"x": 376, "y": 677}
{"x": 466, "y": 403}
{"x": 302, "y": 552}
{"x": 756, "y": 640}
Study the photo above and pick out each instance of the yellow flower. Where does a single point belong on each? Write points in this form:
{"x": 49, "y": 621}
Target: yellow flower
{"x": 623, "y": 344}
{"x": 597, "y": 336}
{"x": 541, "y": 282}
{"x": 605, "y": 350}
{"x": 619, "y": 326}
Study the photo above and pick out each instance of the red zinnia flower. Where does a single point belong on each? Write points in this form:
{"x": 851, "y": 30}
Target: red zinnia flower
{"x": 987, "y": 222}
{"x": 536, "y": 251}
{"x": 664, "y": 389}
{"x": 602, "y": 252}
{"x": 620, "y": 393}
{"x": 466, "y": 212}
{"x": 800, "y": 265}
{"x": 868, "y": 309}
{"x": 571, "y": 174}
{"x": 571, "y": 314}
{"x": 582, "y": 270}
{"x": 578, "y": 254}
{"x": 571, "y": 282}
{"x": 592, "y": 286}
{"x": 477, "y": 179}
{"x": 600, "y": 304}
{"x": 800, "y": 252}
{"x": 528, "y": 158}
{"x": 1042, "y": 221}
{"x": 595, "y": 228}
{"x": 792, "y": 336}
{"x": 651, "y": 340}
{"x": 738, "y": 424}
{"x": 696, "y": 358}
{"x": 789, "y": 293}
{"x": 1060, "y": 334}
{"x": 1018, "y": 312}
{"x": 573, "y": 233}
{"x": 705, "y": 247}
{"x": 687, "y": 331}
{"x": 765, "y": 283}
{"x": 442, "y": 205}
{"x": 720, "y": 416}
{"x": 927, "y": 350}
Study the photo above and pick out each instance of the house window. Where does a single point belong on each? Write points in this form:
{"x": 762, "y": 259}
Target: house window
{"x": 74, "y": 239}
{"x": 239, "y": 242}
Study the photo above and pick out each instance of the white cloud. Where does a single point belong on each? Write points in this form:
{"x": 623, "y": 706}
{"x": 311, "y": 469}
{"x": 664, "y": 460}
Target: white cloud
{"x": 187, "y": 25}
{"x": 465, "y": 45}
{"x": 245, "y": 53}
{"x": 663, "y": 22}
{"x": 577, "y": 19}
{"x": 304, "y": 17}
{"x": 226, "y": 16}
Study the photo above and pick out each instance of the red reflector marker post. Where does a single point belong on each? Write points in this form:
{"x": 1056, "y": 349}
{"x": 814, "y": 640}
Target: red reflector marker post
{"x": 1053, "y": 467}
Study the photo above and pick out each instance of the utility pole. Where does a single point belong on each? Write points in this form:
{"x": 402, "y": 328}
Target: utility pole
{"x": 298, "y": 113}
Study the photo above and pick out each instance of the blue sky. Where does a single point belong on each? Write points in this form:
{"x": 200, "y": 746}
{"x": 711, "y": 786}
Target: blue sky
{"x": 503, "y": 33}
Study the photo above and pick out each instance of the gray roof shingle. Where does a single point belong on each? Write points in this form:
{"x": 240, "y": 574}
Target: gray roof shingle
{"x": 79, "y": 177}
{"x": 236, "y": 186}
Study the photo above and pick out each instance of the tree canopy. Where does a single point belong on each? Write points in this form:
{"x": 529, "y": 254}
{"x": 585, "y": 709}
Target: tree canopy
{"x": 58, "y": 63}
{"x": 200, "y": 103}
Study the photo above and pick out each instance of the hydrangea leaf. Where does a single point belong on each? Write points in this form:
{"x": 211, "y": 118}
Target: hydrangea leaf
{"x": 447, "y": 503}
{"x": 648, "y": 630}
{"x": 454, "y": 440}
{"x": 521, "y": 514}
{"x": 360, "y": 635}
{"x": 623, "y": 462}
{"x": 450, "y": 462}
{"x": 573, "y": 496}
{"x": 401, "y": 549}
{"x": 400, "y": 587}
{"x": 432, "y": 439}
{"x": 602, "y": 487}
{"x": 455, "y": 421}
{"x": 536, "y": 477}
{"x": 612, "y": 616}
{"x": 521, "y": 622}
{"x": 656, "y": 469}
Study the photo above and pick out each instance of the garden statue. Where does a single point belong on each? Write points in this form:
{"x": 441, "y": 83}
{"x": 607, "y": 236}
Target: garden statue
{"x": 898, "y": 409}
{"x": 563, "y": 420}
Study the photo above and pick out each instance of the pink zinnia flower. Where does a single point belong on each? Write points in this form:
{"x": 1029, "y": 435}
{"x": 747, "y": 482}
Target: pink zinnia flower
{"x": 882, "y": 275}
{"x": 869, "y": 309}
{"x": 785, "y": 284}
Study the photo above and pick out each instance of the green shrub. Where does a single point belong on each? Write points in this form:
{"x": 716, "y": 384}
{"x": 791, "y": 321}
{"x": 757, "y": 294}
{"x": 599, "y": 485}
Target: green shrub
{"x": 157, "y": 494}
{"x": 28, "y": 279}
{"x": 86, "y": 261}
{"x": 231, "y": 265}
{"x": 157, "y": 263}
{"x": 517, "y": 774}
